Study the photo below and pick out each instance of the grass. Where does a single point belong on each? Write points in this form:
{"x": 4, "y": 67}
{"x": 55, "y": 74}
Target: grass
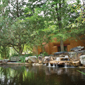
{"x": 81, "y": 72}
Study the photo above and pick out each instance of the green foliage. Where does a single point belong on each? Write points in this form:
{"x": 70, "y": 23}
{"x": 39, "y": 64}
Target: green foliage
{"x": 4, "y": 52}
{"x": 25, "y": 55}
{"x": 78, "y": 27}
{"x": 58, "y": 16}
{"x": 22, "y": 58}
{"x": 44, "y": 54}
{"x": 13, "y": 55}
{"x": 24, "y": 25}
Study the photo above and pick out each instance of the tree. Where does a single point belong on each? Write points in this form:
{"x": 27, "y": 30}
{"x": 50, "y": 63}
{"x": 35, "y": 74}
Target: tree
{"x": 4, "y": 51}
{"x": 37, "y": 24}
{"x": 78, "y": 27}
{"x": 33, "y": 22}
{"x": 60, "y": 15}
{"x": 14, "y": 32}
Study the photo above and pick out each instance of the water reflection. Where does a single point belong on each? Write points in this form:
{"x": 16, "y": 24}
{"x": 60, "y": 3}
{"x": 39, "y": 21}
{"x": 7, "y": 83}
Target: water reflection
{"x": 40, "y": 75}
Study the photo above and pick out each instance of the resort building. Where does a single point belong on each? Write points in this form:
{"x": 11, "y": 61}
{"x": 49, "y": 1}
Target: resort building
{"x": 52, "y": 47}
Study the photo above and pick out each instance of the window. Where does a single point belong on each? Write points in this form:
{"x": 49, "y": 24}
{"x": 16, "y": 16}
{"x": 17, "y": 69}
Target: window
{"x": 59, "y": 49}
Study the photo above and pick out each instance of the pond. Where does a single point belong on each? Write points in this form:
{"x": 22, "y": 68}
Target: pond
{"x": 40, "y": 75}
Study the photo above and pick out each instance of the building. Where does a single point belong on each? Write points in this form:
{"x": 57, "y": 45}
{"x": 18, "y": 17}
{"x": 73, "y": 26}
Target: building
{"x": 52, "y": 47}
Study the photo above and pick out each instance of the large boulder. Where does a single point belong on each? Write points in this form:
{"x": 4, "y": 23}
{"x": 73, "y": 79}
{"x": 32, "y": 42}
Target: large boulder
{"x": 82, "y": 59}
{"x": 78, "y": 48}
{"x": 75, "y": 56}
{"x": 31, "y": 59}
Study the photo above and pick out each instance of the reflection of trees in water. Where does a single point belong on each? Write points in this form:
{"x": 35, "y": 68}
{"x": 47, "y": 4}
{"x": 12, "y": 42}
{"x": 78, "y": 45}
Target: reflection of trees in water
{"x": 6, "y": 75}
{"x": 37, "y": 75}
{"x": 14, "y": 75}
{"x": 22, "y": 75}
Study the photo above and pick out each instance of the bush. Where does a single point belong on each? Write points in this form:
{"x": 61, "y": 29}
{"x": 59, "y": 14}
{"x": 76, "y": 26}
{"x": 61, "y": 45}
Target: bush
{"x": 22, "y": 58}
{"x": 44, "y": 54}
{"x": 13, "y": 55}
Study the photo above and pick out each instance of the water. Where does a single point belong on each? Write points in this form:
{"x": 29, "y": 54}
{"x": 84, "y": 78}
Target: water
{"x": 57, "y": 65}
{"x": 44, "y": 64}
{"x": 53, "y": 65}
{"x": 49, "y": 65}
{"x": 65, "y": 66}
{"x": 40, "y": 75}
{"x": 58, "y": 59}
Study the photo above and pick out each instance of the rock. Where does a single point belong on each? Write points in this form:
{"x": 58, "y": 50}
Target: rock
{"x": 66, "y": 58}
{"x": 61, "y": 63}
{"x": 78, "y": 48}
{"x": 46, "y": 59}
{"x": 36, "y": 64}
{"x": 71, "y": 54}
{"x": 31, "y": 59}
{"x": 54, "y": 58}
{"x": 76, "y": 63}
{"x": 4, "y": 62}
{"x": 53, "y": 62}
{"x": 51, "y": 58}
{"x": 81, "y": 66}
{"x": 82, "y": 59}
{"x": 58, "y": 53}
{"x": 40, "y": 62}
{"x": 26, "y": 59}
{"x": 68, "y": 64}
{"x": 40, "y": 59}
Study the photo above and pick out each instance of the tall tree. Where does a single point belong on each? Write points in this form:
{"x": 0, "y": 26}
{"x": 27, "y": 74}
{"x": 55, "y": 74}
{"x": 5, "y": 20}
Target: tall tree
{"x": 60, "y": 14}
{"x": 14, "y": 32}
{"x": 78, "y": 27}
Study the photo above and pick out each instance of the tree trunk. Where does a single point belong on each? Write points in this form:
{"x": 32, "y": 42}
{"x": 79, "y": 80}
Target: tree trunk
{"x": 21, "y": 47}
{"x": 61, "y": 45}
{"x": 60, "y": 25}
{"x": 20, "y": 50}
